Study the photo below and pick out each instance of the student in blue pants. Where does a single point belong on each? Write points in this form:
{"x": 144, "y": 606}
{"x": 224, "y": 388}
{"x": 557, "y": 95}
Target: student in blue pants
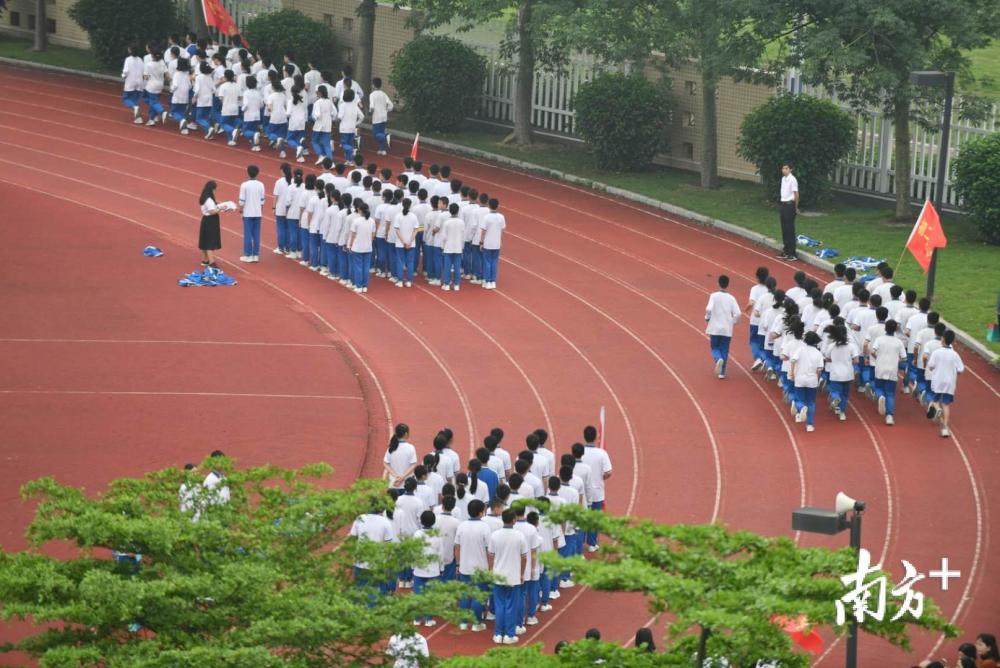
{"x": 431, "y": 571}
{"x": 297, "y": 116}
{"x": 293, "y": 215}
{"x": 841, "y": 357}
{"x": 322, "y": 114}
{"x": 132, "y": 71}
{"x": 180, "y": 94}
{"x": 509, "y": 550}
{"x": 204, "y": 93}
{"x": 807, "y": 364}
{"x": 283, "y": 183}
{"x": 756, "y": 292}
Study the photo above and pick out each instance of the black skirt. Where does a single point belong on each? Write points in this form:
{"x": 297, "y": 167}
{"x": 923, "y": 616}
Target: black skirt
{"x": 210, "y": 236}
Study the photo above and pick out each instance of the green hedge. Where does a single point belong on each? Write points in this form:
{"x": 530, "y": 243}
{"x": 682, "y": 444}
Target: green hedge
{"x": 289, "y": 30}
{"x": 812, "y": 135}
{"x": 439, "y": 80}
{"x": 113, "y": 25}
{"x": 977, "y": 181}
{"x": 623, "y": 118}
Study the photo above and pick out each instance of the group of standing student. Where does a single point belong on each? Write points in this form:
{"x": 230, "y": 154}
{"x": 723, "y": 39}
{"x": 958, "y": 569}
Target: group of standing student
{"x": 870, "y": 332}
{"x": 234, "y": 93}
{"x": 464, "y": 514}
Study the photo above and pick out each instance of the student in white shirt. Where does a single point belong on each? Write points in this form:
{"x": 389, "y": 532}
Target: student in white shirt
{"x": 276, "y": 105}
{"x": 447, "y": 525}
{"x": 789, "y": 198}
{"x": 300, "y": 231}
{"x": 401, "y": 457}
{"x": 316, "y": 212}
{"x": 407, "y": 650}
{"x": 349, "y": 115}
{"x": 491, "y": 227}
{"x": 919, "y": 341}
{"x": 721, "y": 313}
{"x": 806, "y": 367}
{"x": 251, "y": 106}
{"x": 944, "y": 366}
{"x": 527, "y": 599}
{"x": 371, "y": 526}
{"x": 914, "y": 324}
{"x": 209, "y": 234}
{"x": 472, "y": 540}
{"x": 887, "y": 352}
{"x": 362, "y": 237}
{"x": 434, "y": 240}
{"x": 404, "y": 228}
{"x": 453, "y": 243}
{"x": 229, "y": 110}
{"x": 132, "y": 71}
{"x": 252, "y": 206}
{"x": 154, "y": 73}
{"x": 509, "y": 551}
{"x": 204, "y": 92}
{"x": 180, "y": 94}
{"x": 323, "y": 111}
{"x": 297, "y": 112}
{"x": 281, "y": 208}
{"x": 756, "y": 293}
{"x": 433, "y": 554}
{"x": 332, "y": 237}
{"x": 380, "y": 105}
{"x": 348, "y": 83}
{"x": 841, "y": 356}
{"x": 599, "y": 463}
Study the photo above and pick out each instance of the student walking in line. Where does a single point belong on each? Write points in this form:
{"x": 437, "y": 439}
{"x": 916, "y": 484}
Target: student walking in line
{"x": 349, "y": 116}
{"x": 490, "y": 233}
{"x": 252, "y": 205}
{"x": 362, "y": 236}
{"x": 180, "y": 94}
{"x": 204, "y": 92}
{"x": 297, "y": 113}
{"x": 508, "y": 550}
{"x": 887, "y": 352}
{"x": 276, "y": 105}
{"x": 453, "y": 237}
{"x": 293, "y": 194}
{"x": 209, "y": 234}
{"x": 323, "y": 111}
{"x": 789, "y": 208}
{"x": 841, "y": 359}
{"x": 944, "y": 365}
{"x": 253, "y": 102}
{"x": 756, "y": 293}
{"x": 380, "y": 105}
{"x": 228, "y": 94}
{"x": 154, "y": 74}
{"x": 806, "y": 367}
{"x": 132, "y": 73}
{"x": 721, "y": 314}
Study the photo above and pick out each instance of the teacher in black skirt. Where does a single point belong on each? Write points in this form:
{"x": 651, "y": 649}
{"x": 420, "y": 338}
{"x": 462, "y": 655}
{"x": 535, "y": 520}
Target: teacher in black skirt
{"x": 210, "y": 235}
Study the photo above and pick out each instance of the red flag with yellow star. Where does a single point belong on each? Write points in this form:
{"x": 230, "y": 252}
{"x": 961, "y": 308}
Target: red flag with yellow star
{"x": 927, "y": 234}
{"x": 216, "y": 16}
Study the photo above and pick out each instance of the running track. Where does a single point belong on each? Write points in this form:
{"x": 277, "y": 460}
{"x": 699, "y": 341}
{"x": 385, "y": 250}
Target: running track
{"x": 600, "y": 303}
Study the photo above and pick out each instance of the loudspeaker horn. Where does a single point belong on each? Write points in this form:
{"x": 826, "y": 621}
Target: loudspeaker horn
{"x": 844, "y": 503}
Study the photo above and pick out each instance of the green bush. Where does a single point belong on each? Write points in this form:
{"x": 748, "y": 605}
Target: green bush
{"x": 810, "y": 134}
{"x": 439, "y": 80}
{"x": 289, "y": 30}
{"x": 977, "y": 182}
{"x": 113, "y": 25}
{"x": 623, "y": 118}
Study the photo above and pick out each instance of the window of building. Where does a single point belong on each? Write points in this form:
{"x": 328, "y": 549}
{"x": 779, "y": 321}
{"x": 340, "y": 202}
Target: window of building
{"x": 348, "y": 23}
{"x": 689, "y": 119}
{"x": 347, "y": 54}
{"x": 15, "y": 19}
{"x": 328, "y": 20}
{"x": 690, "y": 87}
{"x": 50, "y": 26}
{"x": 688, "y": 149}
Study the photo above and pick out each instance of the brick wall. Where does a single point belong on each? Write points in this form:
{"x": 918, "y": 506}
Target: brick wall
{"x": 67, "y": 32}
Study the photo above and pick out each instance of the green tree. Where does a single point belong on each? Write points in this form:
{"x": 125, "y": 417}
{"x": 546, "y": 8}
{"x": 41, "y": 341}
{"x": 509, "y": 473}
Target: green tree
{"x": 811, "y": 134}
{"x": 274, "y": 33}
{"x": 113, "y": 25}
{"x": 719, "y": 37}
{"x": 263, "y": 580}
{"x": 977, "y": 181}
{"x": 439, "y": 80}
{"x": 865, "y": 52}
{"x": 625, "y": 135}
{"x": 529, "y": 38}
{"x": 722, "y": 589}
{"x": 366, "y": 41}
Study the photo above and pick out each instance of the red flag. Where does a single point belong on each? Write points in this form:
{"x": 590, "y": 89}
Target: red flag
{"x": 798, "y": 630}
{"x": 216, "y": 16}
{"x": 927, "y": 234}
{"x": 413, "y": 151}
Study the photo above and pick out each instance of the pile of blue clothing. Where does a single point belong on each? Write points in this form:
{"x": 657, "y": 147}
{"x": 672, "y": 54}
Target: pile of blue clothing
{"x": 152, "y": 251}
{"x": 862, "y": 263}
{"x": 209, "y": 276}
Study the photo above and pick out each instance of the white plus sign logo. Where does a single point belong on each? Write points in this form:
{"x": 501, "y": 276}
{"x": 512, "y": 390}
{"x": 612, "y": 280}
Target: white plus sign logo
{"x": 945, "y": 574}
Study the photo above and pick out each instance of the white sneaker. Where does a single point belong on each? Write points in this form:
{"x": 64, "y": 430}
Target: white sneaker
{"x": 489, "y": 616}
{"x": 721, "y": 376}
{"x": 313, "y": 268}
{"x": 255, "y": 258}
{"x": 463, "y": 627}
{"x": 300, "y": 159}
{"x": 323, "y": 271}
{"x": 138, "y": 120}
{"x": 244, "y": 258}
{"x": 590, "y": 548}
{"x": 510, "y": 640}
{"x": 757, "y": 363}
{"x": 430, "y": 622}
{"x": 476, "y": 628}
{"x": 531, "y": 621}
{"x": 397, "y": 284}
{"x": 357, "y": 290}
{"x": 555, "y": 594}
{"x": 944, "y": 432}
{"x": 544, "y": 607}
{"x": 417, "y": 622}
{"x": 457, "y": 288}
{"x": 319, "y": 160}
{"x": 281, "y": 154}
{"x": 810, "y": 428}
{"x": 843, "y": 416}
{"x": 231, "y": 142}
{"x": 498, "y": 640}
{"x": 184, "y": 131}
{"x": 409, "y": 284}
{"x": 881, "y": 405}
{"x": 520, "y": 630}
{"x": 151, "y": 122}
{"x": 277, "y": 251}
{"x": 801, "y": 417}
{"x": 446, "y": 287}
{"x": 889, "y": 420}
{"x": 304, "y": 263}
{"x": 364, "y": 289}
{"x": 566, "y": 584}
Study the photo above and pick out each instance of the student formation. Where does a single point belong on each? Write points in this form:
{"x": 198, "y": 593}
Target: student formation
{"x": 463, "y": 514}
{"x": 855, "y": 329}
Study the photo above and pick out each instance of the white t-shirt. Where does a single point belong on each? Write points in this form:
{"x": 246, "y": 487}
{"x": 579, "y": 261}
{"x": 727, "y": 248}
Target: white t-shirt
{"x": 407, "y": 514}
{"x": 406, "y": 650}
{"x": 944, "y": 366}
{"x": 323, "y": 111}
{"x": 204, "y": 89}
{"x": 349, "y": 116}
{"x": 599, "y": 463}
{"x": 722, "y": 313}
{"x": 252, "y": 102}
{"x": 373, "y": 527}
{"x": 252, "y": 198}
{"x": 808, "y": 360}
{"x": 206, "y": 208}
{"x": 380, "y": 105}
{"x": 491, "y": 227}
{"x": 841, "y": 364}
{"x": 433, "y": 551}
{"x": 154, "y": 72}
{"x": 844, "y": 294}
{"x": 180, "y": 86}
{"x": 132, "y": 71}
{"x": 534, "y": 541}
{"x": 276, "y": 108}
{"x": 917, "y": 322}
{"x": 280, "y": 201}
{"x": 789, "y": 186}
{"x": 425, "y": 492}
{"x": 297, "y": 113}
{"x": 507, "y": 545}
{"x": 472, "y": 538}
{"x": 401, "y": 459}
{"x": 887, "y": 352}
{"x": 447, "y": 526}
{"x": 453, "y": 235}
{"x": 363, "y": 230}
{"x": 756, "y": 292}
{"x": 312, "y": 78}
{"x": 229, "y": 94}
{"x": 404, "y": 227}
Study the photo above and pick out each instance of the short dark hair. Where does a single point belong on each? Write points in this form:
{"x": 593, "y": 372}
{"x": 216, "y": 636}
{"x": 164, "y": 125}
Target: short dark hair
{"x": 253, "y": 171}
{"x": 590, "y": 433}
{"x": 508, "y": 516}
{"x": 723, "y": 281}
{"x": 494, "y": 203}
{"x": 453, "y": 209}
{"x": 427, "y": 519}
{"x": 377, "y": 82}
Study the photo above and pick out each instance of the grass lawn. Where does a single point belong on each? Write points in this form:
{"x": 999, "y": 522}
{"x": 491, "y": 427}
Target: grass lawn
{"x": 61, "y": 56}
{"x": 986, "y": 64}
{"x": 962, "y": 294}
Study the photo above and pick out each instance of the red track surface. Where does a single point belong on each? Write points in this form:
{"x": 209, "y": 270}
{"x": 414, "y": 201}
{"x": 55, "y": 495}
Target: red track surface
{"x": 601, "y": 303}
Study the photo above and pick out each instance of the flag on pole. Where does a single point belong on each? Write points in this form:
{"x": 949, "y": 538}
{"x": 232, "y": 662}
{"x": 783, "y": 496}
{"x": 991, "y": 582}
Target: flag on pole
{"x": 413, "y": 151}
{"x": 600, "y": 429}
{"x": 217, "y": 17}
{"x": 926, "y": 235}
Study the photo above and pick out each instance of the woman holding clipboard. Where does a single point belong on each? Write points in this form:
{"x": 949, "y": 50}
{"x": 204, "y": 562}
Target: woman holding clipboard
{"x": 210, "y": 234}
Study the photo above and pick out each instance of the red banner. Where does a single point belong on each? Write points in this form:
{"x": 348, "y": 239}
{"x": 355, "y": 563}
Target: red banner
{"x": 927, "y": 234}
{"x": 216, "y": 16}
{"x": 416, "y": 143}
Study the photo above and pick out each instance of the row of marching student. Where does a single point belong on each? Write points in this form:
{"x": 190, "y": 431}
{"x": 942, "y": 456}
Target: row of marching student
{"x": 235, "y": 94}
{"x": 862, "y": 330}
{"x": 353, "y": 221}
{"x": 466, "y": 519}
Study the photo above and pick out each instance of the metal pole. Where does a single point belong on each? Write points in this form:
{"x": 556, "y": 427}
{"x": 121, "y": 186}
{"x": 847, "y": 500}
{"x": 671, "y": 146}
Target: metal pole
{"x": 949, "y": 92}
{"x": 852, "y": 637}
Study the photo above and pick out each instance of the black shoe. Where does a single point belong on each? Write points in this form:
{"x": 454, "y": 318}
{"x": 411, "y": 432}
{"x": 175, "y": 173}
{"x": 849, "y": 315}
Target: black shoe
{"x": 792, "y": 258}
{"x": 931, "y": 412}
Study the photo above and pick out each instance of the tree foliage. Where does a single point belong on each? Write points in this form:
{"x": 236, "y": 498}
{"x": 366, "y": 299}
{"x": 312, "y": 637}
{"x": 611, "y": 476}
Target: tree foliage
{"x": 977, "y": 181}
{"x": 113, "y": 25}
{"x": 812, "y": 135}
{"x": 274, "y": 33}
{"x": 439, "y": 79}
{"x": 263, "y": 580}
{"x": 627, "y": 134}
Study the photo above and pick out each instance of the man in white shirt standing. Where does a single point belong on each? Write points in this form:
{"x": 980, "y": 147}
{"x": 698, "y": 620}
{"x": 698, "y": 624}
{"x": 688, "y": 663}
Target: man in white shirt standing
{"x": 509, "y": 551}
{"x": 252, "y": 206}
{"x": 599, "y": 463}
{"x": 721, "y": 314}
{"x": 491, "y": 228}
{"x": 471, "y": 544}
{"x": 789, "y": 207}
{"x": 371, "y": 526}
{"x": 380, "y": 105}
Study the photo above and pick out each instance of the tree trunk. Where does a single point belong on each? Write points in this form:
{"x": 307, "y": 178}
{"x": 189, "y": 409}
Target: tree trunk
{"x": 901, "y": 128}
{"x": 702, "y": 647}
{"x": 41, "y": 27}
{"x": 198, "y": 25}
{"x": 366, "y": 43}
{"x": 525, "y": 76}
{"x": 709, "y": 133}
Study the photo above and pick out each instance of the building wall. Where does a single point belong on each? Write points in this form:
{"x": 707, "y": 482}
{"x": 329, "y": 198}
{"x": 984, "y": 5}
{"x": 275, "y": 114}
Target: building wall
{"x": 67, "y": 32}
{"x": 391, "y": 32}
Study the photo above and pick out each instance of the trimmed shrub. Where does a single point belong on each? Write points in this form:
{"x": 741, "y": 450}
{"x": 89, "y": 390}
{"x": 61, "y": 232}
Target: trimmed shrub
{"x": 113, "y": 25}
{"x": 977, "y": 182}
{"x": 623, "y": 118}
{"x": 311, "y": 41}
{"x": 439, "y": 80}
{"x": 810, "y": 134}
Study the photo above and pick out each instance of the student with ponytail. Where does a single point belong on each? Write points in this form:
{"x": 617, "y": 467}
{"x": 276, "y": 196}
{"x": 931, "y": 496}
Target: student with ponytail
{"x": 229, "y": 95}
{"x": 297, "y": 113}
{"x": 405, "y": 228}
{"x": 281, "y": 208}
{"x": 401, "y": 457}
{"x": 180, "y": 94}
{"x": 277, "y": 126}
{"x": 362, "y": 236}
{"x": 294, "y": 196}
{"x": 323, "y": 111}
{"x": 841, "y": 356}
